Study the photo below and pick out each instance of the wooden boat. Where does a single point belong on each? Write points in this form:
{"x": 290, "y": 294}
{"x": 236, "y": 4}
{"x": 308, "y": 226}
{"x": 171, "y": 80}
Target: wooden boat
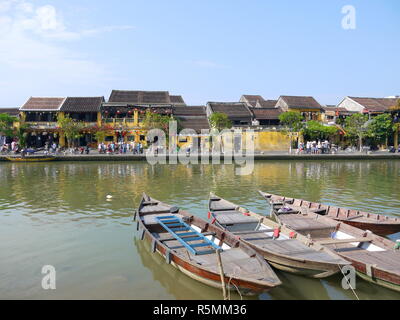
{"x": 376, "y": 223}
{"x": 376, "y": 259}
{"x": 280, "y": 246}
{"x": 31, "y": 159}
{"x": 190, "y": 243}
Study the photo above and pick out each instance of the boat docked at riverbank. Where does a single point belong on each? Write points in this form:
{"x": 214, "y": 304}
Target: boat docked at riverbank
{"x": 376, "y": 223}
{"x": 376, "y": 259}
{"x": 280, "y": 246}
{"x": 44, "y": 158}
{"x": 190, "y": 244}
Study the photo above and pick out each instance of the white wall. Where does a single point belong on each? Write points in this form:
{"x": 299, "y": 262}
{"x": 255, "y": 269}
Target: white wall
{"x": 351, "y": 105}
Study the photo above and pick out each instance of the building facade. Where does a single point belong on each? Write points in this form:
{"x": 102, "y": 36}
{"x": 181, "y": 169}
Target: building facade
{"x": 41, "y": 115}
{"x": 307, "y": 106}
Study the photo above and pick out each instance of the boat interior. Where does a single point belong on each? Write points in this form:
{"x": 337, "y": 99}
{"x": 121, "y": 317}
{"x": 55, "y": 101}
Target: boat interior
{"x": 235, "y": 260}
{"x": 253, "y": 231}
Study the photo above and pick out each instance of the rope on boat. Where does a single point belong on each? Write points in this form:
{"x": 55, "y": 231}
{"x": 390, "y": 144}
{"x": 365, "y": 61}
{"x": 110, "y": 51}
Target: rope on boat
{"x": 349, "y": 283}
{"x": 229, "y": 283}
{"x": 347, "y": 280}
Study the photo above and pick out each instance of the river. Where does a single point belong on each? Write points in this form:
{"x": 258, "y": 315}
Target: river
{"x": 57, "y": 214}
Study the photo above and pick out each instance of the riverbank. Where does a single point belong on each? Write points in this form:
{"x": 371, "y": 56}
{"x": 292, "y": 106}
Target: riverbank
{"x": 257, "y": 157}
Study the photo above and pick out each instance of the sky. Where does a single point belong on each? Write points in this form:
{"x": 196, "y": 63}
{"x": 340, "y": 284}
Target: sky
{"x": 208, "y": 50}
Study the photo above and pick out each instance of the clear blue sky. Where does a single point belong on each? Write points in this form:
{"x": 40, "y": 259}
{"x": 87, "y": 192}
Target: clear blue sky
{"x": 204, "y": 50}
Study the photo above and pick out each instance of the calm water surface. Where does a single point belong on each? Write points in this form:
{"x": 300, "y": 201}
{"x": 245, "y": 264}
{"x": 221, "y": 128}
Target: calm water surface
{"x": 57, "y": 214}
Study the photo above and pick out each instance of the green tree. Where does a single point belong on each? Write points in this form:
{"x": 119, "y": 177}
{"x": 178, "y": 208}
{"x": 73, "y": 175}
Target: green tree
{"x": 100, "y": 133}
{"x": 71, "y": 128}
{"x": 292, "y": 122}
{"x": 6, "y": 124}
{"x": 380, "y": 128}
{"x": 158, "y": 121}
{"x": 356, "y": 126}
{"x": 316, "y": 130}
{"x": 220, "y": 121}
{"x": 22, "y": 134}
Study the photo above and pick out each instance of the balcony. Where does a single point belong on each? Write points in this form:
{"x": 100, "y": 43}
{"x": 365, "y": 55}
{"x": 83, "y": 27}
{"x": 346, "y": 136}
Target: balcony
{"x": 40, "y": 125}
{"x": 121, "y": 123}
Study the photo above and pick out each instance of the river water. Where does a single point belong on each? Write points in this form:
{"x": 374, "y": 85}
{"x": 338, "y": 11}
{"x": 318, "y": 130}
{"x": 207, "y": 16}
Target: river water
{"x": 57, "y": 214}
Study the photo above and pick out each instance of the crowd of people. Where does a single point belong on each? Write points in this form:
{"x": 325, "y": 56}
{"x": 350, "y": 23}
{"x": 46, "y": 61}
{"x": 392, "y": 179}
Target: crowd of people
{"x": 316, "y": 147}
{"x": 120, "y": 148}
{"x": 12, "y": 147}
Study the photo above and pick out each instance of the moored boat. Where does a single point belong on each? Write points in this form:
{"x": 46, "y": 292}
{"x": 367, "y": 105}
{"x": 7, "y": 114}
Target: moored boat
{"x": 190, "y": 244}
{"x": 43, "y": 158}
{"x": 379, "y": 224}
{"x": 283, "y": 248}
{"x": 375, "y": 258}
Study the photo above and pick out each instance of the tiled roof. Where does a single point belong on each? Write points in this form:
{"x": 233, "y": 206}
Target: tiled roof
{"x": 140, "y": 97}
{"x": 234, "y": 110}
{"x": 252, "y": 99}
{"x": 376, "y": 104}
{"x": 195, "y": 123}
{"x": 190, "y": 111}
{"x": 176, "y": 99}
{"x": 10, "y": 111}
{"x": 43, "y": 104}
{"x": 82, "y": 104}
{"x": 266, "y": 113}
{"x": 300, "y": 102}
{"x": 267, "y": 104}
{"x": 192, "y": 117}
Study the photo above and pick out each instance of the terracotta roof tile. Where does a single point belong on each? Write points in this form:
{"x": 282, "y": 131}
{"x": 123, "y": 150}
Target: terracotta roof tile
{"x": 10, "y": 111}
{"x": 43, "y": 104}
{"x": 234, "y": 110}
{"x": 177, "y": 99}
{"x": 267, "y": 104}
{"x": 376, "y": 104}
{"x": 300, "y": 102}
{"x": 140, "y": 97}
{"x": 82, "y": 104}
{"x": 190, "y": 111}
{"x": 267, "y": 113}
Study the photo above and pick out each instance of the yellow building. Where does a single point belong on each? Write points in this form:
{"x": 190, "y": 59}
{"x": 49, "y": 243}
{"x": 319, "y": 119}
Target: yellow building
{"x": 125, "y": 112}
{"x": 42, "y": 114}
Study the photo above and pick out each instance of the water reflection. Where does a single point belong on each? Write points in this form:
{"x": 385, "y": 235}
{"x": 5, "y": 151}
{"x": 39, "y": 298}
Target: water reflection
{"x": 50, "y": 199}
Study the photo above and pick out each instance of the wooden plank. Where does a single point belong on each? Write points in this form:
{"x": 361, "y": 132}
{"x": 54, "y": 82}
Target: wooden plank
{"x": 337, "y": 241}
{"x": 253, "y": 232}
{"x": 355, "y": 217}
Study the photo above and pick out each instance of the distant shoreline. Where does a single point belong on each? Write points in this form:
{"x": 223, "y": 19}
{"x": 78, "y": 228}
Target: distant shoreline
{"x": 258, "y": 157}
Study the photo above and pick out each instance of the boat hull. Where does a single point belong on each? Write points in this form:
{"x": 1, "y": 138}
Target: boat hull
{"x": 304, "y": 268}
{"x": 379, "y": 277}
{"x": 383, "y": 227}
{"x": 247, "y": 288}
{"x": 12, "y": 159}
{"x": 379, "y": 229}
{"x": 379, "y": 282}
{"x": 286, "y": 263}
